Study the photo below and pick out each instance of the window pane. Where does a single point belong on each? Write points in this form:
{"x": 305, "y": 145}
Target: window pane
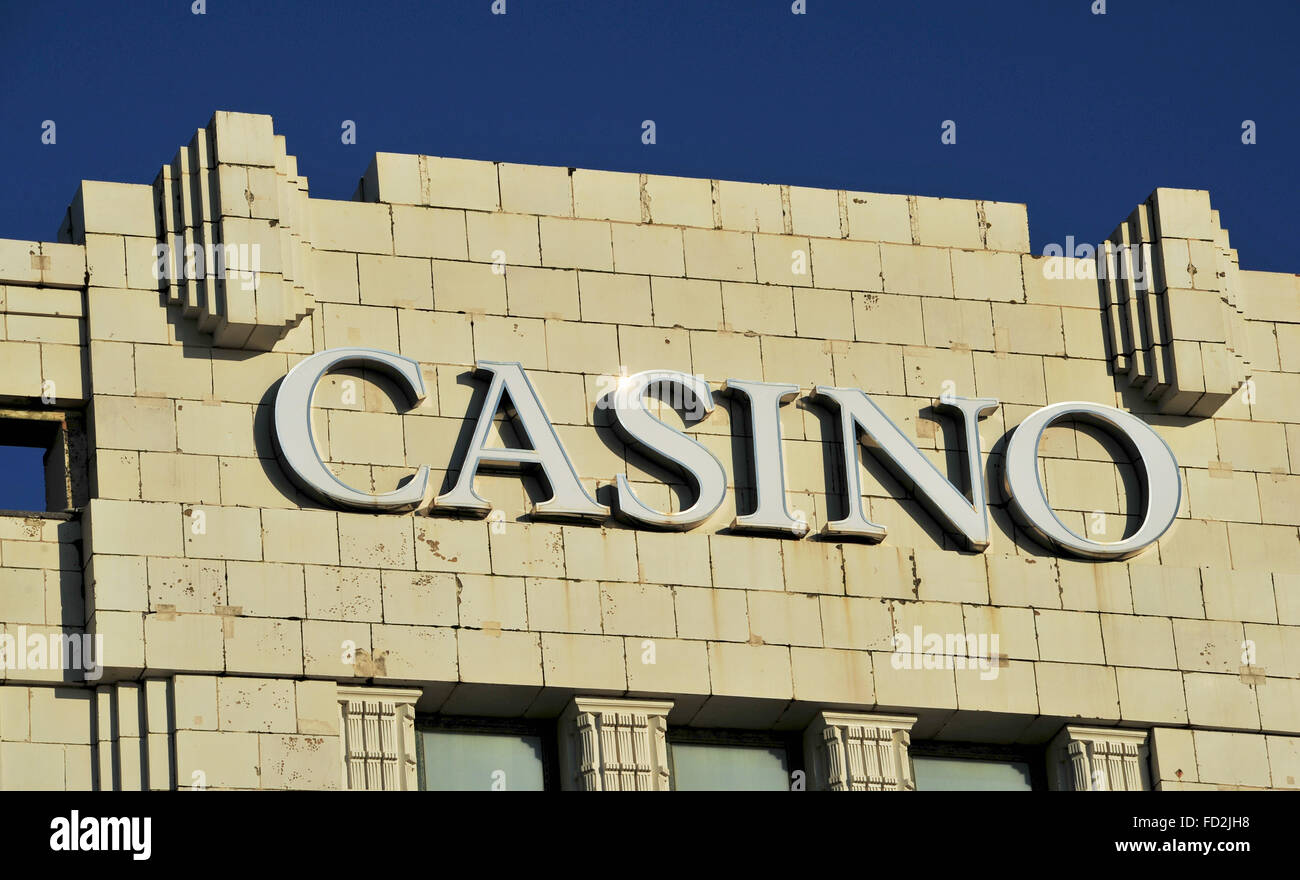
{"x": 457, "y": 760}
{"x": 966, "y": 774}
{"x": 714, "y": 767}
{"x": 23, "y": 487}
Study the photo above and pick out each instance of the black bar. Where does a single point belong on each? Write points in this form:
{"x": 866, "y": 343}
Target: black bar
{"x": 428, "y": 831}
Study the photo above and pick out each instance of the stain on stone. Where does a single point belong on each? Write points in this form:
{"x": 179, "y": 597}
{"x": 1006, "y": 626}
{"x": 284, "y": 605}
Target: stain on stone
{"x": 433, "y": 548}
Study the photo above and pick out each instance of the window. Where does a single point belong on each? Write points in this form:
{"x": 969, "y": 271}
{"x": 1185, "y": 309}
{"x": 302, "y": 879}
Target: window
{"x": 42, "y": 455}
{"x": 710, "y": 760}
{"x": 458, "y": 754}
{"x": 24, "y": 482}
{"x": 959, "y": 767}
{"x": 970, "y": 774}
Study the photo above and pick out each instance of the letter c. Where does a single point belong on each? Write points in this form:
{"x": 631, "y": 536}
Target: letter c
{"x": 295, "y": 442}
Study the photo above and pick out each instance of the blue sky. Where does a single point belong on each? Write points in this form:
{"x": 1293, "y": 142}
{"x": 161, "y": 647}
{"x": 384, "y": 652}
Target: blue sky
{"x": 1078, "y": 115}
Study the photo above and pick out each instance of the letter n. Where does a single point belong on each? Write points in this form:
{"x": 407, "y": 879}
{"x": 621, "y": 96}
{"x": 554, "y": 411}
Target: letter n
{"x": 859, "y": 416}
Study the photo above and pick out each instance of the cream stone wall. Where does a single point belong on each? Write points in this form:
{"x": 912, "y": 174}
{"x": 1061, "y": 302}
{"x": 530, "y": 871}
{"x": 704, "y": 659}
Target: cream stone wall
{"x": 231, "y": 606}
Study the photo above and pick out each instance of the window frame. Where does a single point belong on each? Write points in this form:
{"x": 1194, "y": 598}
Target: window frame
{"x": 545, "y": 730}
{"x": 61, "y": 433}
{"x": 1035, "y": 757}
{"x": 790, "y": 741}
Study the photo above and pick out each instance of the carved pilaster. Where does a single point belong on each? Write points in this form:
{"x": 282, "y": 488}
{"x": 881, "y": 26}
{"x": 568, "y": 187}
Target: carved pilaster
{"x": 1099, "y": 759}
{"x": 378, "y": 731}
{"x": 859, "y": 752}
{"x": 614, "y": 745}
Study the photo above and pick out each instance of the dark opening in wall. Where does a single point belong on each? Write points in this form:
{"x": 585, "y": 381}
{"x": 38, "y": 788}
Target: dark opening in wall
{"x": 42, "y": 461}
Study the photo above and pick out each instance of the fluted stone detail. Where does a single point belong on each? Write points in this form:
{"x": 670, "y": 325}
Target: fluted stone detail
{"x": 378, "y": 748}
{"x": 614, "y": 745}
{"x": 859, "y": 752}
{"x": 1099, "y": 759}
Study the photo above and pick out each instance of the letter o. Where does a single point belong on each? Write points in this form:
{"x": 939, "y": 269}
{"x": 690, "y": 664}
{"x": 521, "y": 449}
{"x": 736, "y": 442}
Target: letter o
{"x": 1162, "y": 484}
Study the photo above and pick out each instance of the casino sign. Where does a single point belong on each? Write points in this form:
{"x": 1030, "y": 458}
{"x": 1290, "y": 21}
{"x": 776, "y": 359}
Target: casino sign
{"x": 859, "y": 419}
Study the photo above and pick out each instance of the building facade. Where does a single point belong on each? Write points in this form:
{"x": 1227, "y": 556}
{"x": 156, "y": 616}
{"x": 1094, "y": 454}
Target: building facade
{"x": 505, "y": 477}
